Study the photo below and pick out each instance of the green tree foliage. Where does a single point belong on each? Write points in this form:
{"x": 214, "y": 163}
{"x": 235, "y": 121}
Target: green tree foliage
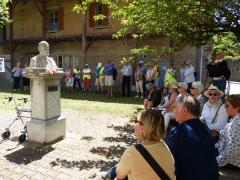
{"x": 192, "y": 22}
{"x": 3, "y": 12}
{"x": 229, "y": 44}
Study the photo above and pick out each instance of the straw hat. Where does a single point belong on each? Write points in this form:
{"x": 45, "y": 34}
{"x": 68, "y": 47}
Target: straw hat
{"x": 213, "y": 88}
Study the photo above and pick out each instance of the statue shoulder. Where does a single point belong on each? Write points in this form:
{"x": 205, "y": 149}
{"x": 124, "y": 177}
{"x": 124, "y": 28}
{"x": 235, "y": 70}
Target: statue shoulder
{"x": 50, "y": 58}
{"x": 52, "y": 61}
{"x": 33, "y": 61}
{"x": 34, "y": 58}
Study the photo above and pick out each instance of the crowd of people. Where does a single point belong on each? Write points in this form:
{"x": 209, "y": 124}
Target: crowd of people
{"x": 187, "y": 130}
{"x": 189, "y": 150}
{"x": 80, "y": 79}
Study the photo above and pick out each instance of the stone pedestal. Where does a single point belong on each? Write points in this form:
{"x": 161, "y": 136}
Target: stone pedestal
{"x": 46, "y": 124}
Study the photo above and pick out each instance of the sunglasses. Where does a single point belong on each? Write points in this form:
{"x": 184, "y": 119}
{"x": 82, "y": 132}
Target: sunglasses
{"x": 136, "y": 121}
{"x": 213, "y": 94}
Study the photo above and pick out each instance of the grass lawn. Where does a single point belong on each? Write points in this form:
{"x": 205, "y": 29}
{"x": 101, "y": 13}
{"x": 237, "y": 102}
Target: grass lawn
{"x": 84, "y": 102}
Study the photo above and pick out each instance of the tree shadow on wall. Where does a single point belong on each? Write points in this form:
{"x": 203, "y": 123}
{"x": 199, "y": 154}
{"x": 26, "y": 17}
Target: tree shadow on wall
{"x": 83, "y": 164}
{"x": 28, "y": 154}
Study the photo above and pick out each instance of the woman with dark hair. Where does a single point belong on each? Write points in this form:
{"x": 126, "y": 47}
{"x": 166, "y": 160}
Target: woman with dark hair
{"x": 149, "y": 130}
{"x": 229, "y": 142}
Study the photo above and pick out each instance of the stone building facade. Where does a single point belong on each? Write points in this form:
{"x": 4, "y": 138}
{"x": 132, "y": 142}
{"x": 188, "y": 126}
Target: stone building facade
{"x": 56, "y": 23}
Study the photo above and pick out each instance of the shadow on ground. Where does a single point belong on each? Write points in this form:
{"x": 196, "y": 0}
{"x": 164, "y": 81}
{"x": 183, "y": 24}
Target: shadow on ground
{"x": 125, "y": 135}
{"x": 123, "y": 129}
{"x": 28, "y": 154}
{"x": 111, "y": 152}
{"x": 128, "y": 139}
{"x": 86, "y": 165}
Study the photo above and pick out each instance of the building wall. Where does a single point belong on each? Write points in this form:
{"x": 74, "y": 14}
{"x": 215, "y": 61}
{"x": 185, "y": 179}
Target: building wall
{"x": 27, "y": 21}
{"x": 28, "y": 25}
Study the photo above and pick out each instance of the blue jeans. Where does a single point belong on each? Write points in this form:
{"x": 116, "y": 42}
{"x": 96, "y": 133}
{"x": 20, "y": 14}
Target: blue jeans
{"x": 221, "y": 84}
{"x": 112, "y": 174}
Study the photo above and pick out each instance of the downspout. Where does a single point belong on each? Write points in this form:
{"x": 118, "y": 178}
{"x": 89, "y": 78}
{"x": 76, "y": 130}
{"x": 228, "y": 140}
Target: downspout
{"x": 84, "y": 38}
{"x": 11, "y": 43}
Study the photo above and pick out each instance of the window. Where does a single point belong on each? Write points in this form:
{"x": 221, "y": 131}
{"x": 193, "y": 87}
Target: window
{"x": 53, "y": 23}
{"x": 55, "y": 20}
{"x": 99, "y": 10}
{"x": 96, "y": 9}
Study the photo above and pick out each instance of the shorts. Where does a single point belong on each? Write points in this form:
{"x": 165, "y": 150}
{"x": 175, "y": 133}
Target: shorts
{"x": 108, "y": 80}
{"x": 99, "y": 82}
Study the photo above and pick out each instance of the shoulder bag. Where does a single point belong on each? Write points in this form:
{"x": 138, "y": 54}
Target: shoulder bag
{"x": 151, "y": 161}
{"x": 214, "y": 132}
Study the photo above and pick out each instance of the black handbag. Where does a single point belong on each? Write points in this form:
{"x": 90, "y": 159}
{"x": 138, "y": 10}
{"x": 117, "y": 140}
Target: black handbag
{"x": 151, "y": 161}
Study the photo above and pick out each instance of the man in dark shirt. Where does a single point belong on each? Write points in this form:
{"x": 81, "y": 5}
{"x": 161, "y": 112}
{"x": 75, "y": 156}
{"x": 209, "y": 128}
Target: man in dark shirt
{"x": 210, "y": 73}
{"x": 191, "y": 143}
{"x": 222, "y": 73}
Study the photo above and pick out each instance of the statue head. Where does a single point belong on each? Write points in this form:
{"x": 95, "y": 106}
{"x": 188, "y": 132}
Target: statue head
{"x": 43, "y": 48}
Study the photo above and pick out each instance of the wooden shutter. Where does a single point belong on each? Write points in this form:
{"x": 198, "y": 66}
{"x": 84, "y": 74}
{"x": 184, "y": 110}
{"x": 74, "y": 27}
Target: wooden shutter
{"x": 92, "y": 12}
{"x": 46, "y": 19}
{"x": 60, "y": 19}
{"x": 105, "y": 12}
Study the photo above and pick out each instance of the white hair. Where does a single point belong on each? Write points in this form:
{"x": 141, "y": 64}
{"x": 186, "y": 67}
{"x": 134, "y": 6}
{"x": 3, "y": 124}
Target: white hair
{"x": 199, "y": 86}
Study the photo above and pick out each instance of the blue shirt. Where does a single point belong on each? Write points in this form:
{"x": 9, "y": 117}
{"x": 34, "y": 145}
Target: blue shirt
{"x": 97, "y": 72}
{"x": 192, "y": 147}
{"x": 109, "y": 69}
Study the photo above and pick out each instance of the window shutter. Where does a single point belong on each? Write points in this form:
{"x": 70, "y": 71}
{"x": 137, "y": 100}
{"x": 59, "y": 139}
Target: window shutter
{"x": 47, "y": 20}
{"x": 92, "y": 12}
{"x": 60, "y": 19}
{"x": 105, "y": 13}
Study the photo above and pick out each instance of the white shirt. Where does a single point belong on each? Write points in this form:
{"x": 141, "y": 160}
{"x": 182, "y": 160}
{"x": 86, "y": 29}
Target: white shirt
{"x": 229, "y": 143}
{"x": 208, "y": 113}
{"x": 189, "y": 74}
{"x": 126, "y": 70}
{"x": 150, "y": 74}
{"x": 86, "y": 70}
{"x": 17, "y": 72}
